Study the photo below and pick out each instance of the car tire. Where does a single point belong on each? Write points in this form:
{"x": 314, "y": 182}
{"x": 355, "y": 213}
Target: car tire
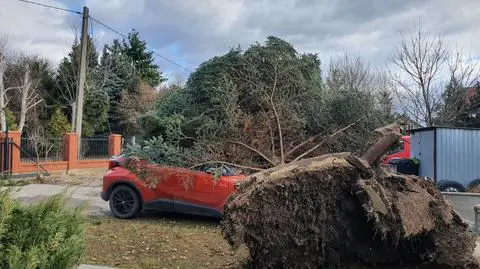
{"x": 450, "y": 186}
{"x": 124, "y": 202}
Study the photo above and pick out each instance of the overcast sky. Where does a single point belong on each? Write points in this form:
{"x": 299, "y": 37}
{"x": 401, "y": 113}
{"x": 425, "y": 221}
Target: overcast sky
{"x": 191, "y": 31}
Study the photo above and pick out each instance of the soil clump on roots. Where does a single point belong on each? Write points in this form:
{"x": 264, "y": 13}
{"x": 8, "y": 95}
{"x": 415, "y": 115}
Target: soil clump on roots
{"x": 343, "y": 211}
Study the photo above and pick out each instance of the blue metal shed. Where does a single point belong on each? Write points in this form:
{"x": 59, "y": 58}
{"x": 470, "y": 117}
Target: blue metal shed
{"x": 447, "y": 154}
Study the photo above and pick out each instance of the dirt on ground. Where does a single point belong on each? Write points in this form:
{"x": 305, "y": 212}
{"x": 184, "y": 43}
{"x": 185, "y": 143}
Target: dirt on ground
{"x": 339, "y": 211}
{"x": 86, "y": 177}
{"x": 158, "y": 242}
{"x": 474, "y": 189}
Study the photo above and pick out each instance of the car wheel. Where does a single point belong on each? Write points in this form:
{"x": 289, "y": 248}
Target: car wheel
{"x": 124, "y": 202}
{"x": 451, "y": 186}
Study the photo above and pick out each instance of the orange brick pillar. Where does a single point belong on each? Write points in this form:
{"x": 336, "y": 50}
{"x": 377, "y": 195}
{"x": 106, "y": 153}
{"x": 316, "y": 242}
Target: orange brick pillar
{"x": 16, "y": 161}
{"x": 114, "y": 144}
{"x": 71, "y": 150}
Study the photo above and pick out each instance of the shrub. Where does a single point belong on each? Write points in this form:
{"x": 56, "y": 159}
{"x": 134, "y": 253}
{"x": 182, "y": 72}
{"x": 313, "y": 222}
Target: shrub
{"x": 10, "y": 117}
{"x": 45, "y": 235}
{"x": 58, "y": 125}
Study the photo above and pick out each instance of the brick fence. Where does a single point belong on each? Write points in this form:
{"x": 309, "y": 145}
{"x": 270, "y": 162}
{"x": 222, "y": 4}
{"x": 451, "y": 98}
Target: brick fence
{"x": 70, "y": 159}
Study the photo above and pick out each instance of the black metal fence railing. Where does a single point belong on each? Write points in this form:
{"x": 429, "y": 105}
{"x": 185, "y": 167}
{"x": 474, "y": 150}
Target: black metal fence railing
{"x": 41, "y": 150}
{"x": 93, "y": 148}
{"x": 6, "y": 148}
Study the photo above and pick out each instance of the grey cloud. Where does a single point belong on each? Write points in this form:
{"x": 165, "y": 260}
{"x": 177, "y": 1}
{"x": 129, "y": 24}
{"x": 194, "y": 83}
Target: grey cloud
{"x": 202, "y": 29}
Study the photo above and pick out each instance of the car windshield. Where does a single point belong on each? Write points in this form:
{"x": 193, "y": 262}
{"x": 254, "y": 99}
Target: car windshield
{"x": 228, "y": 170}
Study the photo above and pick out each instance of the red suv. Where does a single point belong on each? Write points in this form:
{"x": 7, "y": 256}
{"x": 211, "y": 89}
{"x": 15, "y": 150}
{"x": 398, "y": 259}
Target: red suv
{"x": 181, "y": 190}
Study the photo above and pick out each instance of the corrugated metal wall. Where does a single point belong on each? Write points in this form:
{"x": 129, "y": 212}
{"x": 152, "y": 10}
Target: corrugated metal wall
{"x": 422, "y": 149}
{"x": 458, "y": 155}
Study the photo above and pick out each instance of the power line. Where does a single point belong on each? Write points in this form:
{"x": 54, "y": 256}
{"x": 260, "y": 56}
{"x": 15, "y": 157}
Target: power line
{"x": 152, "y": 51}
{"x": 106, "y": 26}
{"x": 91, "y": 26}
{"x": 53, "y": 7}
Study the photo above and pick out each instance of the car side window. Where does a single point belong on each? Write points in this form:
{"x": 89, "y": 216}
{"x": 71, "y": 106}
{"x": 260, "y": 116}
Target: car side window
{"x": 212, "y": 169}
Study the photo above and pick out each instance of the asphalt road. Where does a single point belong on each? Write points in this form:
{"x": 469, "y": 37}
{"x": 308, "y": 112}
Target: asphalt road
{"x": 463, "y": 204}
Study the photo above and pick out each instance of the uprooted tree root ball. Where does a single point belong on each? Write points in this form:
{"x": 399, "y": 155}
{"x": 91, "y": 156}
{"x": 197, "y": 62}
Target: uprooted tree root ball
{"x": 335, "y": 211}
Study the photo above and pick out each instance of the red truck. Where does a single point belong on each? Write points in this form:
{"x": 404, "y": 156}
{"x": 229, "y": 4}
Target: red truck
{"x": 403, "y": 152}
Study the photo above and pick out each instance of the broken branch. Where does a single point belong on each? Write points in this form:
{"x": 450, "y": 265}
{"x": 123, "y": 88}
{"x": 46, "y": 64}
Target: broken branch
{"x": 227, "y": 163}
{"x": 254, "y": 150}
{"x": 330, "y": 136}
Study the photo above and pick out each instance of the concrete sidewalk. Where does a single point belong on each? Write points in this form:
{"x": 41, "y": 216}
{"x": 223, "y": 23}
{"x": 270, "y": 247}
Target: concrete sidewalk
{"x": 79, "y": 194}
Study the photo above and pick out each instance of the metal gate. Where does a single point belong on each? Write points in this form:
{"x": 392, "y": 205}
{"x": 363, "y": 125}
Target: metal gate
{"x": 6, "y": 149}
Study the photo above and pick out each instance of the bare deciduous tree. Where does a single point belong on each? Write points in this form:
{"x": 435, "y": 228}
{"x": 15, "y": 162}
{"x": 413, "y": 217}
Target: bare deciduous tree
{"x": 420, "y": 58}
{"x": 68, "y": 91}
{"x": 350, "y": 71}
{"x": 41, "y": 145}
{"x": 3, "y": 90}
{"x": 464, "y": 74}
{"x": 133, "y": 105}
{"x": 29, "y": 96}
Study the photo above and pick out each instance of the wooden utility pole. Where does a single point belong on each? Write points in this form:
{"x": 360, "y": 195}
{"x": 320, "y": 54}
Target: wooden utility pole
{"x": 81, "y": 80}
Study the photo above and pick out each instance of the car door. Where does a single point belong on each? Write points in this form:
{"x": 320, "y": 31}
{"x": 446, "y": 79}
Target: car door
{"x": 198, "y": 192}
{"x": 164, "y": 189}
{"x": 210, "y": 189}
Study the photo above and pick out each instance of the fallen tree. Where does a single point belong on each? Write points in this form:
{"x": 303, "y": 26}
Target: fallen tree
{"x": 342, "y": 211}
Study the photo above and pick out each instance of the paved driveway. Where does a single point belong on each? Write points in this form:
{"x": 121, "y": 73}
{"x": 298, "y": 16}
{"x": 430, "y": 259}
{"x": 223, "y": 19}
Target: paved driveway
{"x": 79, "y": 194}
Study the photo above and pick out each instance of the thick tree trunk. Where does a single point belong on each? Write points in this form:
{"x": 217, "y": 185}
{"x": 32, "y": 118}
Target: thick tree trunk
{"x": 23, "y": 104}
{"x": 388, "y": 135}
{"x": 3, "y": 119}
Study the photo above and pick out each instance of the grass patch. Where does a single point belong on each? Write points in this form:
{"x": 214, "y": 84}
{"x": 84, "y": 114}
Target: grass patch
{"x": 159, "y": 243}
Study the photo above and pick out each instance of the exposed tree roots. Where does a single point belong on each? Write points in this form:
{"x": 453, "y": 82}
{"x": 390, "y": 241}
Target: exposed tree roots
{"x": 335, "y": 211}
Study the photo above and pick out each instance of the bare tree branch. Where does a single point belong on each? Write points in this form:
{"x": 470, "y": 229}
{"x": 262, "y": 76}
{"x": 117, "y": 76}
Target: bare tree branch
{"x": 420, "y": 57}
{"x": 277, "y": 116}
{"x": 28, "y": 92}
{"x": 227, "y": 163}
{"x": 254, "y": 150}
{"x": 309, "y": 140}
{"x": 324, "y": 140}
{"x": 3, "y": 91}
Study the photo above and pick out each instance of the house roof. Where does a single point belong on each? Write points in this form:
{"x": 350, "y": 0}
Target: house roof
{"x": 423, "y": 129}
